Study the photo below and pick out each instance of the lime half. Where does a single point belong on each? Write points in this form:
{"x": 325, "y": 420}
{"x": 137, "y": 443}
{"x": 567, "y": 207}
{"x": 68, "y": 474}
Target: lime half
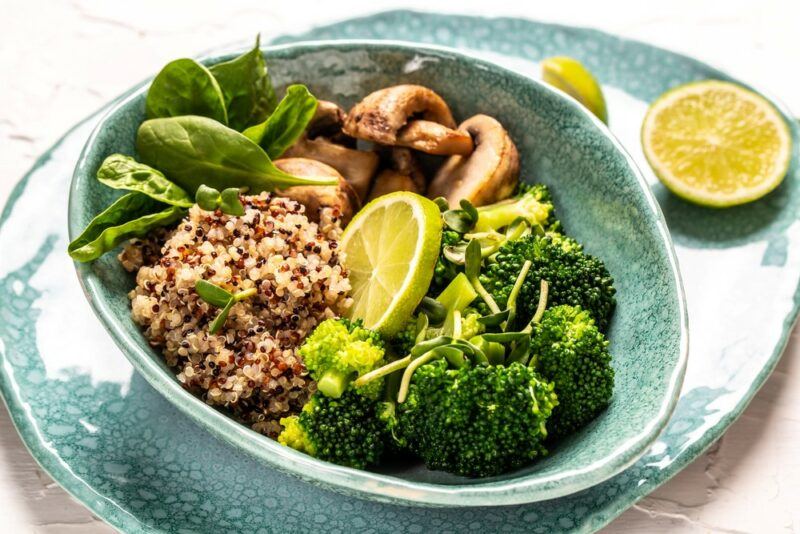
{"x": 716, "y": 143}
{"x": 391, "y": 247}
{"x": 569, "y": 75}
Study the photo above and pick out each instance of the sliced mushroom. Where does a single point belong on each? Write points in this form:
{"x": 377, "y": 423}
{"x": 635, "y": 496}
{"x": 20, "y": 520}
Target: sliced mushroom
{"x": 389, "y": 181}
{"x": 434, "y": 138}
{"x": 324, "y": 141}
{"x": 388, "y": 117}
{"x": 357, "y": 166}
{"x": 316, "y": 197}
{"x": 404, "y": 161}
{"x": 404, "y": 174}
{"x": 487, "y": 175}
{"x": 327, "y": 120}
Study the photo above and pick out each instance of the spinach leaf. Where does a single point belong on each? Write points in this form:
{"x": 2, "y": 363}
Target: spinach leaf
{"x": 287, "y": 123}
{"x": 185, "y": 87}
{"x": 124, "y": 172}
{"x": 196, "y": 150}
{"x": 132, "y": 215}
{"x": 212, "y": 293}
{"x": 246, "y": 87}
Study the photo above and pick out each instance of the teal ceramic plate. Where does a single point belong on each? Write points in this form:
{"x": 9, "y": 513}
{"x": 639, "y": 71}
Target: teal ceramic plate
{"x": 601, "y": 199}
{"x": 106, "y": 436}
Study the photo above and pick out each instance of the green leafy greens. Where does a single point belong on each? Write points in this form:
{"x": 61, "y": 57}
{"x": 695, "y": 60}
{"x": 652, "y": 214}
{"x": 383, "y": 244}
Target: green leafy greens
{"x": 185, "y": 87}
{"x": 287, "y": 123}
{"x": 246, "y": 88}
{"x": 132, "y": 215}
{"x": 195, "y": 150}
{"x": 124, "y": 172}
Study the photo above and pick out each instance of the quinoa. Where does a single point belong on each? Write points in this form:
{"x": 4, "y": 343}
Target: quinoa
{"x": 251, "y": 366}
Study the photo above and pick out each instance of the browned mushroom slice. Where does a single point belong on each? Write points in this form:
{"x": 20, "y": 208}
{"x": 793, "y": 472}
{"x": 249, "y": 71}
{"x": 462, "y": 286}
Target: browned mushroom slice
{"x": 404, "y": 161}
{"x": 314, "y": 197}
{"x": 389, "y": 181}
{"x": 487, "y": 175}
{"x": 327, "y": 120}
{"x": 404, "y": 174}
{"x": 357, "y": 166}
{"x": 433, "y": 138}
{"x": 382, "y": 115}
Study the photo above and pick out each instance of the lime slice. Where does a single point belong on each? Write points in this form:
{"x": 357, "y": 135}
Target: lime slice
{"x": 391, "y": 247}
{"x": 716, "y": 143}
{"x": 573, "y": 78}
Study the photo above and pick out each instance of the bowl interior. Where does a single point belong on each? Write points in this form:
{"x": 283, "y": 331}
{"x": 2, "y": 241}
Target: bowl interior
{"x": 600, "y": 198}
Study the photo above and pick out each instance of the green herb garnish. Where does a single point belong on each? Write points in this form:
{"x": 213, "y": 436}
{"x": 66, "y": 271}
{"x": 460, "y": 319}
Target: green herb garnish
{"x": 472, "y": 268}
{"x": 221, "y": 298}
{"x": 461, "y": 220}
{"x": 227, "y": 201}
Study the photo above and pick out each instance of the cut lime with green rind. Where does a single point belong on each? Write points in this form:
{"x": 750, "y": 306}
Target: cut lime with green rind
{"x": 390, "y": 251}
{"x": 572, "y": 77}
{"x": 716, "y": 143}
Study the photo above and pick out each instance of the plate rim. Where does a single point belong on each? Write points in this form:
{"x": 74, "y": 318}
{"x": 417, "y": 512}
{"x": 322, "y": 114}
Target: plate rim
{"x": 376, "y": 486}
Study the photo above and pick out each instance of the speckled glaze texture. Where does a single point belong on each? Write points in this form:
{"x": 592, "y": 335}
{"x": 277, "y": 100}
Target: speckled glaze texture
{"x": 601, "y": 198}
{"x": 111, "y": 440}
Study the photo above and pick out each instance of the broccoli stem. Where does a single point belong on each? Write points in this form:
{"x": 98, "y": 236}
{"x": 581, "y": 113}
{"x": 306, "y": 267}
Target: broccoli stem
{"x": 498, "y": 215}
{"x": 458, "y": 294}
{"x": 333, "y": 383}
{"x": 387, "y": 369}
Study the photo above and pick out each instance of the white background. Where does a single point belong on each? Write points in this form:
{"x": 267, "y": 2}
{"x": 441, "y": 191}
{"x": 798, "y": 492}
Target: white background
{"x": 61, "y": 60}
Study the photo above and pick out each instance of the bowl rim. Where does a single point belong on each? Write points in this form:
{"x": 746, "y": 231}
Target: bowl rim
{"x": 367, "y": 484}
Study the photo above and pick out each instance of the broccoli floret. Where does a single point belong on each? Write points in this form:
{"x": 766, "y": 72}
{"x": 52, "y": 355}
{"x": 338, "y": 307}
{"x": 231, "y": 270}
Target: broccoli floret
{"x": 574, "y": 277}
{"x": 570, "y": 351}
{"x": 445, "y": 270}
{"x": 532, "y": 203}
{"x": 338, "y": 351}
{"x": 403, "y": 341}
{"x": 346, "y": 431}
{"x": 475, "y": 421}
{"x": 470, "y": 326}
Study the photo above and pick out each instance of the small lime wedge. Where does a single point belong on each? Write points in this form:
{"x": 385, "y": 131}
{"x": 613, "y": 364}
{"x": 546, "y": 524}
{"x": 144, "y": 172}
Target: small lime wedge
{"x": 390, "y": 250}
{"x": 716, "y": 143}
{"x": 572, "y": 77}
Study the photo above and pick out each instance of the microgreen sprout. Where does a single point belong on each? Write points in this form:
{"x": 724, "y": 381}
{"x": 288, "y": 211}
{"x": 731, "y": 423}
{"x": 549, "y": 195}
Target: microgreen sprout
{"x": 227, "y": 201}
{"x": 472, "y": 268}
{"x": 220, "y": 298}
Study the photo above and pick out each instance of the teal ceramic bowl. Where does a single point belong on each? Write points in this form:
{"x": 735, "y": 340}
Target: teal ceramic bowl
{"x": 602, "y": 200}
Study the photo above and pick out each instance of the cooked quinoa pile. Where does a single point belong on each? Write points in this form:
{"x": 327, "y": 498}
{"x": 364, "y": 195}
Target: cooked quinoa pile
{"x": 251, "y": 366}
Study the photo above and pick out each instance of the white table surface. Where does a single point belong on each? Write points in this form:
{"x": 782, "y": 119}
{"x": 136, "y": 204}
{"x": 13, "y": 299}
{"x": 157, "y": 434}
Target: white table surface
{"x": 61, "y": 60}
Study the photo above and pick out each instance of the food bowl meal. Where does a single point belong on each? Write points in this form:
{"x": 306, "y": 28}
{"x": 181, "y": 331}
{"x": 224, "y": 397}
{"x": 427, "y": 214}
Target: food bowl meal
{"x": 392, "y": 270}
